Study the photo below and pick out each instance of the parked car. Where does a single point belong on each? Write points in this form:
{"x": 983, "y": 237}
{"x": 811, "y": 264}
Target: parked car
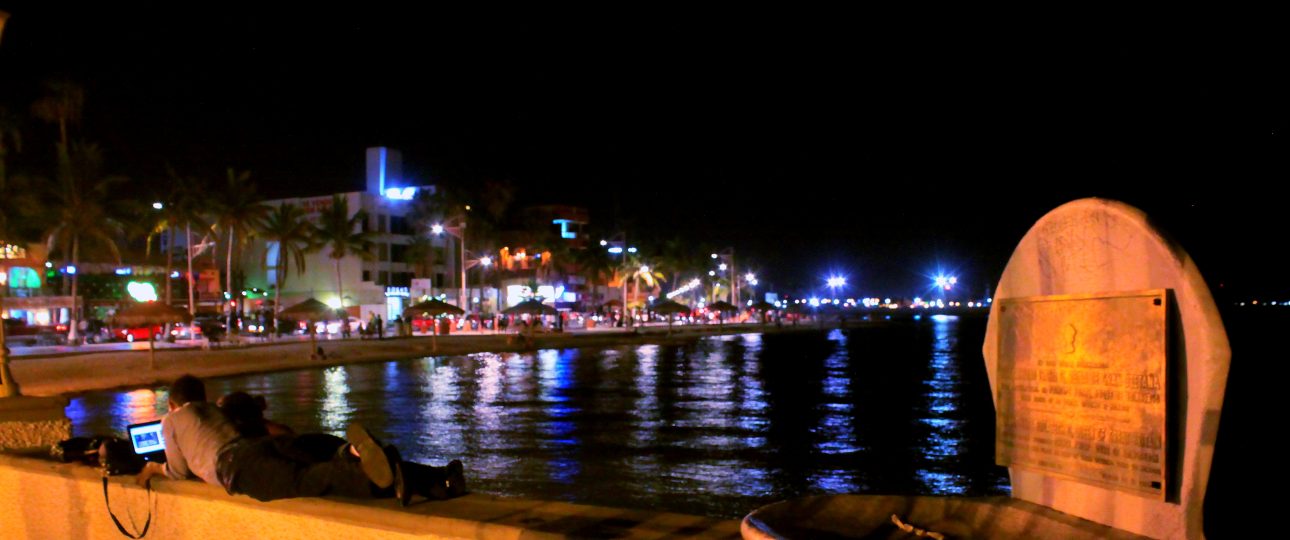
{"x": 142, "y": 333}
{"x": 186, "y": 331}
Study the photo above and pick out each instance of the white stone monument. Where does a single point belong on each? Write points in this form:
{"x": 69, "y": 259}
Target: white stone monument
{"x": 1083, "y": 340}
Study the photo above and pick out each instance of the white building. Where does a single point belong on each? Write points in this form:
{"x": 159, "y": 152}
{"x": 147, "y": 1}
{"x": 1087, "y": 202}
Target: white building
{"x": 381, "y": 285}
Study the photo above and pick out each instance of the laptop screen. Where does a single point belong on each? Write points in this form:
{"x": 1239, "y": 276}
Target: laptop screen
{"x": 146, "y": 437}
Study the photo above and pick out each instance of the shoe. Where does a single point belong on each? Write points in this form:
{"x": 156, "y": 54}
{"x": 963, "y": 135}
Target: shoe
{"x": 401, "y": 491}
{"x": 456, "y": 482}
{"x": 376, "y": 464}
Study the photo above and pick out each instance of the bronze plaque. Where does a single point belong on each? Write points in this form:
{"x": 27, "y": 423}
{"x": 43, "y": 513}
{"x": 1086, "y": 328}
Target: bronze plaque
{"x": 1081, "y": 388}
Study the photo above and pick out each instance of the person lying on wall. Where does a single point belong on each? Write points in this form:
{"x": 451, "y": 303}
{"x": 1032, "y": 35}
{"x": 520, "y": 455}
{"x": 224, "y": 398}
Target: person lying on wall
{"x": 203, "y": 442}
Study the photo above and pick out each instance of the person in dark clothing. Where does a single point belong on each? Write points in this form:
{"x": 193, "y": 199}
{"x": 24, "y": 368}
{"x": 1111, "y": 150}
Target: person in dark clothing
{"x": 247, "y": 415}
{"x": 202, "y": 441}
{"x": 380, "y": 328}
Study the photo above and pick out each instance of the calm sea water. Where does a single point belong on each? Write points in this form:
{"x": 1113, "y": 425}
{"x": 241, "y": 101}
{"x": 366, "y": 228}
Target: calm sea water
{"x": 718, "y": 426}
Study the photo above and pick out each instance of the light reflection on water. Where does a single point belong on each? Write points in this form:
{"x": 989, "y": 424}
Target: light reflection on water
{"x": 717, "y": 427}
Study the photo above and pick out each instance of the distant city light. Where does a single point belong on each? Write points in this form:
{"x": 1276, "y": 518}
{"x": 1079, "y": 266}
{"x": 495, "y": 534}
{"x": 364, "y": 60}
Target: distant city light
{"x": 436, "y": 228}
{"x": 174, "y": 274}
{"x": 946, "y": 282}
{"x": 644, "y": 269}
{"x": 486, "y": 261}
{"x": 615, "y": 250}
{"x": 72, "y": 270}
{"x": 123, "y": 271}
{"x": 141, "y": 292}
{"x": 334, "y": 303}
{"x": 401, "y": 194}
{"x": 631, "y": 249}
{"x": 752, "y": 282}
{"x": 714, "y": 255}
{"x": 694, "y": 283}
{"x": 157, "y": 206}
{"x": 836, "y": 281}
{"x": 721, "y": 267}
{"x": 49, "y": 264}
{"x": 815, "y": 302}
{"x": 712, "y": 272}
{"x": 604, "y": 243}
{"x": 750, "y": 277}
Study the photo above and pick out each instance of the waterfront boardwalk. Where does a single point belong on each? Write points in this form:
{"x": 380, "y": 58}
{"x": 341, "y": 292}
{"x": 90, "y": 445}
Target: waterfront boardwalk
{"x": 45, "y": 375}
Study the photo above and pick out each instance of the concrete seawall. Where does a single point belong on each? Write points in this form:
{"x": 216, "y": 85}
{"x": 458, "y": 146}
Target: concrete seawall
{"x": 55, "y": 500}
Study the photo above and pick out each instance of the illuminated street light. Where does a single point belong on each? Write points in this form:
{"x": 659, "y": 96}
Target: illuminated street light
{"x": 836, "y": 281}
{"x": 436, "y": 228}
{"x": 615, "y": 250}
{"x": 631, "y": 249}
{"x": 644, "y": 269}
{"x": 722, "y": 267}
{"x": 486, "y": 260}
{"x": 604, "y": 243}
{"x": 712, "y": 272}
{"x": 714, "y": 255}
{"x": 157, "y": 206}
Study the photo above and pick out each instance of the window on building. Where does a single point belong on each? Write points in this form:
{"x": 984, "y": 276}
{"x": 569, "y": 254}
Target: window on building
{"x": 398, "y": 252}
{"x": 401, "y": 279}
{"x": 438, "y": 280}
{"x": 381, "y": 223}
{"x": 383, "y": 252}
{"x": 367, "y": 275}
{"x": 399, "y": 225}
{"x": 438, "y": 255}
{"x": 385, "y": 278}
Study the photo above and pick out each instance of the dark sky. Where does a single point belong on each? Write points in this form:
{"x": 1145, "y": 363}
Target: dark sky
{"x": 879, "y": 148}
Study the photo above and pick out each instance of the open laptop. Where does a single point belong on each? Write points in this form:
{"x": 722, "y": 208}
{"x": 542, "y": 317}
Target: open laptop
{"x": 147, "y": 440}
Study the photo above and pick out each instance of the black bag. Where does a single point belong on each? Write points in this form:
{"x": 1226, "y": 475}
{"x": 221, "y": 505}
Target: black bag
{"x": 82, "y": 449}
{"x": 117, "y": 457}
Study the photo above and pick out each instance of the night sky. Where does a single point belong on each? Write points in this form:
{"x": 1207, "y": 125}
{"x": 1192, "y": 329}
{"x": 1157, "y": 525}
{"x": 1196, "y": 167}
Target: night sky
{"x": 877, "y": 148}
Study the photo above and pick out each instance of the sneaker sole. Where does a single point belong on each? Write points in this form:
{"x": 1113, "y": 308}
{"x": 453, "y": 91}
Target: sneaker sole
{"x": 375, "y": 465}
{"x": 455, "y": 471}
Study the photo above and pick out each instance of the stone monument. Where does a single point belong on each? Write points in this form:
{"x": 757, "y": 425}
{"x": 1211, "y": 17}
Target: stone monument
{"x": 1108, "y": 362}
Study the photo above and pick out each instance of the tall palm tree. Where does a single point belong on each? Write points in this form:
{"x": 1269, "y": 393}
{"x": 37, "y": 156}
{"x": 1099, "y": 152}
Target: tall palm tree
{"x": 185, "y": 208}
{"x": 594, "y": 266}
{"x": 420, "y": 254}
{"x": 62, "y": 103}
{"x": 238, "y": 215}
{"x": 78, "y": 216}
{"x": 286, "y": 226}
{"x": 343, "y": 235}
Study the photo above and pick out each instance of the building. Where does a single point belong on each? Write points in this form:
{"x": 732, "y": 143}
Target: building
{"x": 383, "y": 285}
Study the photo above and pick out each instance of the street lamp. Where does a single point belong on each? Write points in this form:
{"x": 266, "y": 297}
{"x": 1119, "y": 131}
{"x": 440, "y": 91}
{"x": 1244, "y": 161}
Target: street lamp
{"x": 458, "y": 229}
{"x": 727, "y": 257}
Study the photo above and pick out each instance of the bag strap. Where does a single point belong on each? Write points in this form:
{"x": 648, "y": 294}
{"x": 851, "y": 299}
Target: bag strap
{"x": 148, "y": 487}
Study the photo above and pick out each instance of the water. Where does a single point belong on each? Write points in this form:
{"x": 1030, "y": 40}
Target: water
{"x": 715, "y": 427}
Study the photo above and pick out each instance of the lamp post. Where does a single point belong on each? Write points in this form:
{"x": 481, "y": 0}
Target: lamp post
{"x": 727, "y": 256}
{"x": 617, "y": 245}
{"x": 457, "y": 229}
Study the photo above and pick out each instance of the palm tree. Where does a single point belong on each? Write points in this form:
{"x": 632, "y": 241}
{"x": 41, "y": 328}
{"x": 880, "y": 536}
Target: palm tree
{"x": 343, "y": 235}
{"x": 420, "y": 254}
{"x": 62, "y": 103}
{"x": 594, "y": 266}
{"x": 185, "y": 207}
{"x": 295, "y": 238}
{"x": 77, "y": 213}
{"x": 238, "y": 214}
